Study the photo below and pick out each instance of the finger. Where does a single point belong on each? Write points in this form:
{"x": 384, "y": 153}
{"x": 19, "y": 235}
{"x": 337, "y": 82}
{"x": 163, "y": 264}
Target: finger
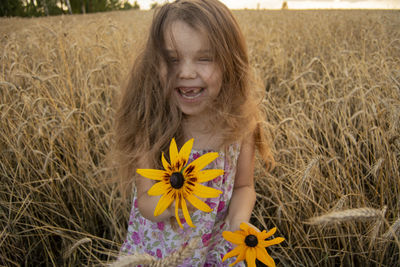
{"x": 252, "y": 226}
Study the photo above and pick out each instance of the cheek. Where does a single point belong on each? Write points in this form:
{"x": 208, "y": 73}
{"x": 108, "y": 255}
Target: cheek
{"x": 167, "y": 75}
{"x": 212, "y": 74}
{"x": 216, "y": 80}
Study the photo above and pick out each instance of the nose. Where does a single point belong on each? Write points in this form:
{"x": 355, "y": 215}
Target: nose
{"x": 187, "y": 70}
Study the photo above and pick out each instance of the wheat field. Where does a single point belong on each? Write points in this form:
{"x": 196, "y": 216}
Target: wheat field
{"x": 333, "y": 97}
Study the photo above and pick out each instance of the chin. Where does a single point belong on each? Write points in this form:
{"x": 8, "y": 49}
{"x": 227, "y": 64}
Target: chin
{"x": 192, "y": 111}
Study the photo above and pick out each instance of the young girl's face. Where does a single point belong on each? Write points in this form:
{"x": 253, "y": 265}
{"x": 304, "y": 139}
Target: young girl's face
{"x": 195, "y": 76}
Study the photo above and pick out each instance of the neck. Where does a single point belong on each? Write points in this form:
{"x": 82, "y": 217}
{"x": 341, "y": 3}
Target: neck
{"x": 196, "y": 124}
{"x": 205, "y": 136}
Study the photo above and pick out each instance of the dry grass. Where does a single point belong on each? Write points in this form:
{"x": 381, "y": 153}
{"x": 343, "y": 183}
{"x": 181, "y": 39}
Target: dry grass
{"x": 333, "y": 82}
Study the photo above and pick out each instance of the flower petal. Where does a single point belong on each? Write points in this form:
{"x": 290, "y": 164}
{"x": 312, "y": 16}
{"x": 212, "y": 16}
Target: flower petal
{"x": 198, "y": 203}
{"x": 234, "y": 252}
{"x": 158, "y": 189}
{"x": 173, "y": 152}
{"x": 177, "y": 213}
{"x": 165, "y": 163}
{"x": 244, "y": 226}
{"x": 241, "y": 256}
{"x": 152, "y": 173}
{"x": 184, "y": 153}
{"x": 242, "y": 233}
{"x": 253, "y": 231}
{"x": 262, "y": 255}
{"x": 203, "y": 161}
{"x": 251, "y": 257}
{"x": 271, "y": 242}
{"x": 186, "y": 212}
{"x": 265, "y": 235}
{"x": 164, "y": 202}
{"x": 234, "y": 238}
{"x": 205, "y": 191}
{"x": 208, "y": 175}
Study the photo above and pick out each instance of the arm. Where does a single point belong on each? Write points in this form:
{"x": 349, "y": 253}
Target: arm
{"x": 244, "y": 195}
{"x": 147, "y": 204}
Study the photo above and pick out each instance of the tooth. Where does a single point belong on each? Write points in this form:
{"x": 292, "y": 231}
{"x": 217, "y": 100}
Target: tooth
{"x": 190, "y": 90}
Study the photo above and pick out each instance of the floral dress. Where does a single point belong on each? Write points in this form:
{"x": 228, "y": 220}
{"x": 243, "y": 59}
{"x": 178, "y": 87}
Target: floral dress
{"x": 164, "y": 238}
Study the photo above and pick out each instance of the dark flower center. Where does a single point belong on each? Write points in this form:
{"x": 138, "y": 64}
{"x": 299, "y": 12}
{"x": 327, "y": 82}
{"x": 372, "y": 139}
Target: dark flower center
{"x": 177, "y": 180}
{"x": 251, "y": 241}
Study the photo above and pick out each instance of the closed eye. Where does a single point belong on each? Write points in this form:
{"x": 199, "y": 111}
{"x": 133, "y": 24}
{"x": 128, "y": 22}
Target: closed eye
{"x": 206, "y": 59}
{"x": 173, "y": 59}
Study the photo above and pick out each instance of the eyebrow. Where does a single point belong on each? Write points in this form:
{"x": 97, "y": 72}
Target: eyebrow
{"x": 202, "y": 51}
{"x": 170, "y": 51}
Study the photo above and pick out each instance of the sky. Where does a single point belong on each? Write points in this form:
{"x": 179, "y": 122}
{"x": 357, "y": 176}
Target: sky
{"x": 297, "y": 4}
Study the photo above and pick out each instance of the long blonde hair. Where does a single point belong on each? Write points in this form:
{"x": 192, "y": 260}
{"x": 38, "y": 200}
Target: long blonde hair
{"x": 146, "y": 120}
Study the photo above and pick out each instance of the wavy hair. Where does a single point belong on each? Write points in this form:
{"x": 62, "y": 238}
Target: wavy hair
{"x": 146, "y": 119}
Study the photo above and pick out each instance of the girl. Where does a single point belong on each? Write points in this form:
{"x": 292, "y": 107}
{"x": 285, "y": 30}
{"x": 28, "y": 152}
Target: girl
{"x": 192, "y": 80}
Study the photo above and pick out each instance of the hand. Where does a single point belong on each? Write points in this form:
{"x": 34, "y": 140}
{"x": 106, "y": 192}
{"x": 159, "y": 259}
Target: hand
{"x": 171, "y": 209}
{"x": 233, "y": 229}
{"x": 252, "y": 226}
{"x": 235, "y": 226}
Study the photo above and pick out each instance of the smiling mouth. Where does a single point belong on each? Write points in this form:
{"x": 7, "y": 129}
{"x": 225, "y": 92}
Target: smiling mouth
{"x": 190, "y": 93}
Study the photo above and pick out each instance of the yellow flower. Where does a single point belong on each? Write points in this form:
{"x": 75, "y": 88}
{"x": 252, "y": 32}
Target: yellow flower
{"x": 251, "y": 245}
{"x": 180, "y": 182}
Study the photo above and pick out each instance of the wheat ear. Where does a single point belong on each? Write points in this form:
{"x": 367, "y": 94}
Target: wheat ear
{"x": 346, "y": 215}
{"x": 133, "y": 260}
{"x": 74, "y": 246}
{"x": 393, "y": 230}
{"x": 145, "y": 259}
{"x": 179, "y": 256}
